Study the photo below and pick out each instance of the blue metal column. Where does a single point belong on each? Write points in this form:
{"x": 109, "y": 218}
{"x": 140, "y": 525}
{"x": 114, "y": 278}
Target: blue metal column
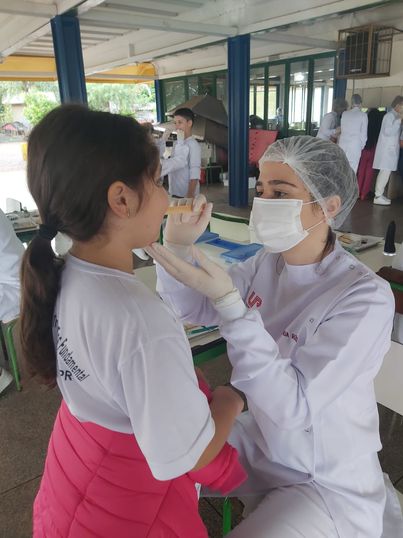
{"x": 69, "y": 59}
{"x": 159, "y": 101}
{"x": 340, "y": 88}
{"x": 238, "y": 118}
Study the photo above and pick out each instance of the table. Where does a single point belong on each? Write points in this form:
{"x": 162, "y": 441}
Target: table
{"x": 25, "y": 235}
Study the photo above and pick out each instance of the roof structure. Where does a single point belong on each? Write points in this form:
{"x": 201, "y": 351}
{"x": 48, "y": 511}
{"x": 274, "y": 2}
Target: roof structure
{"x": 178, "y": 36}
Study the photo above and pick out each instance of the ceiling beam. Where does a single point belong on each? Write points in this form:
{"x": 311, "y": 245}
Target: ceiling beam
{"x": 136, "y": 8}
{"x": 143, "y": 56}
{"x": 104, "y": 16}
{"x": 315, "y": 11}
{"x": 67, "y": 5}
{"x": 10, "y": 45}
{"x": 17, "y": 44}
{"x": 31, "y": 9}
{"x": 284, "y": 37}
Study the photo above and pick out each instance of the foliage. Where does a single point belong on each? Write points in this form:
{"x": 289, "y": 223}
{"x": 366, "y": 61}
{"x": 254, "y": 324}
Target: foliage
{"x": 6, "y": 114}
{"x": 121, "y": 98}
{"x": 37, "y": 105}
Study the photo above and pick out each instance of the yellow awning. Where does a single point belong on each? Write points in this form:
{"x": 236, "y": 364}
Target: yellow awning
{"x": 40, "y": 68}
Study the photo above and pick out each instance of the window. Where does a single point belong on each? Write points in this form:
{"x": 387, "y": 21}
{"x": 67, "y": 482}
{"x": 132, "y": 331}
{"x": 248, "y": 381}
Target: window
{"x": 275, "y": 115}
{"x": 193, "y": 86}
{"x": 322, "y": 91}
{"x": 206, "y": 84}
{"x": 174, "y": 93}
{"x": 298, "y": 96}
{"x": 256, "y": 92}
{"x": 222, "y": 89}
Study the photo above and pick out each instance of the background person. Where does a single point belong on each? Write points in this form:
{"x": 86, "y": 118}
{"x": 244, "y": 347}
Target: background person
{"x": 365, "y": 173}
{"x": 185, "y": 182}
{"x": 307, "y": 326}
{"x": 330, "y": 125}
{"x": 11, "y": 252}
{"x": 353, "y": 131}
{"x": 388, "y": 149}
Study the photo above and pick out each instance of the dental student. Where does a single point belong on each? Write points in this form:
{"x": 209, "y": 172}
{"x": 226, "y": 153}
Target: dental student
{"x": 307, "y": 326}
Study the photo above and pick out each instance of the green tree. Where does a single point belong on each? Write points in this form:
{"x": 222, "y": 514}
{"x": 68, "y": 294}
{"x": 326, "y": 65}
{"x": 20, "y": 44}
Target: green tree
{"x": 37, "y": 105}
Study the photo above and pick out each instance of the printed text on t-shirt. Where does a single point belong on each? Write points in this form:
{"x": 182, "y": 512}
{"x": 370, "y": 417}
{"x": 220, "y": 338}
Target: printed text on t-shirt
{"x": 67, "y": 356}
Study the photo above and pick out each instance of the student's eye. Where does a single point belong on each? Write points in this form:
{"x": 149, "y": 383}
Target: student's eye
{"x": 259, "y": 192}
{"x": 279, "y": 194}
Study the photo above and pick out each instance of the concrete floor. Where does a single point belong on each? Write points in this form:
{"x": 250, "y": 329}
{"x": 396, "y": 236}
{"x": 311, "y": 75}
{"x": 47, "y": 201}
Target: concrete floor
{"x": 27, "y": 417}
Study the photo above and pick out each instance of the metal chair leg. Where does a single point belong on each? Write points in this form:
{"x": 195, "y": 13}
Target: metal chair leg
{"x": 226, "y": 516}
{"x": 12, "y": 355}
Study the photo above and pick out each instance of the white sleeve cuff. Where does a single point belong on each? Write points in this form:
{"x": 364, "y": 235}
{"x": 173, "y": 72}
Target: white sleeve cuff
{"x": 231, "y": 306}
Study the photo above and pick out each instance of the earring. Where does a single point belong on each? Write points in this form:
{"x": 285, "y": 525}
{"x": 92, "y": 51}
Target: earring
{"x": 128, "y": 213}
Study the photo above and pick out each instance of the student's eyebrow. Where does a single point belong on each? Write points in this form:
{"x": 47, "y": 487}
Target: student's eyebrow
{"x": 276, "y": 182}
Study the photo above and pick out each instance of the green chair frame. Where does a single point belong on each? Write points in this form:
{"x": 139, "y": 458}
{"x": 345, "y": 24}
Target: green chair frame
{"x": 8, "y": 331}
{"x": 226, "y": 516}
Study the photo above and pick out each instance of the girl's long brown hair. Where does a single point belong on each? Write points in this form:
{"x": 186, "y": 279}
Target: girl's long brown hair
{"x": 74, "y": 155}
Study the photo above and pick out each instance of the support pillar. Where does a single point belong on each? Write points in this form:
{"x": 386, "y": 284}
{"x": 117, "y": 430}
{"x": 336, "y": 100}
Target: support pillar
{"x": 69, "y": 59}
{"x": 159, "y": 100}
{"x": 238, "y": 119}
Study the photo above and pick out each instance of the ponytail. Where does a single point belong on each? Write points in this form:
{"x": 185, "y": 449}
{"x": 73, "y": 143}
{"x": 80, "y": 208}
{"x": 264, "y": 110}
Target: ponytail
{"x": 40, "y": 278}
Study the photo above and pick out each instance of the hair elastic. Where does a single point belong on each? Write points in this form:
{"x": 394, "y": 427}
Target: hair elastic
{"x": 47, "y": 232}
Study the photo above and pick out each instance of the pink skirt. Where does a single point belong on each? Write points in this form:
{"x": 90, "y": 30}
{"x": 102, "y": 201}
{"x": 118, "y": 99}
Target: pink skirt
{"x": 97, "y": 483}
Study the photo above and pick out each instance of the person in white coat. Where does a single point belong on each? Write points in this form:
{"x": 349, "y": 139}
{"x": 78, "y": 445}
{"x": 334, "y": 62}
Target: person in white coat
{"x": 307, "y": 326}
{"x": 330, "y": 125}
{"x": 11, "y": 251}
{"x": 388, "y": 149}
{"x": 353, "y": 132}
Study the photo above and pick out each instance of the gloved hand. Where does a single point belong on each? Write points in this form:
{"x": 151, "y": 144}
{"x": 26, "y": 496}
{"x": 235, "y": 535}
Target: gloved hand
{"x": 183, "y": 229}
{"x": 207, "y": 278}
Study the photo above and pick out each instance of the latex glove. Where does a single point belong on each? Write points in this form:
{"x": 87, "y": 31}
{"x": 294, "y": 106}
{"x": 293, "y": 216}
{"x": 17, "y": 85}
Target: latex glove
{"x": 182, "y": 230}
{"x": 208, "y": 278}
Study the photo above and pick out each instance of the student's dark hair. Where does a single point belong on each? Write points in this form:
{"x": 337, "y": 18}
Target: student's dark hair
{"x": 74, "y": 155}
{"x": 185, "y": 113}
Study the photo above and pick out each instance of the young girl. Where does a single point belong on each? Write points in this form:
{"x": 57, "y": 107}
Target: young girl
{"x": 307, "y": 327}
{"x": 134, "y": 432}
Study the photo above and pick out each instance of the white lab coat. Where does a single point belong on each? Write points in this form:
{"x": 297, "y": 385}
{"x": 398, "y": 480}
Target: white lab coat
{"x": 328, "y": 126}
{"x": 388, "y": 146}
{"x": 11, "y": 251}
{"x": 305, "y": 354}
{"x": 353, "y": 136}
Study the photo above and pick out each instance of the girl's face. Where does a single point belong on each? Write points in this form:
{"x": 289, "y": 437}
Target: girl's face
{"x": 147, "y": 221}
{"x": 278, "y": 181}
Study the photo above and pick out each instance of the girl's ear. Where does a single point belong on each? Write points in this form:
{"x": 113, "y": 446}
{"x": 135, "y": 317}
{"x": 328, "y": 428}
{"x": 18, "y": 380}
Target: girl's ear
{"x": 122, "y": 200}
{"x": 333, "y": 205}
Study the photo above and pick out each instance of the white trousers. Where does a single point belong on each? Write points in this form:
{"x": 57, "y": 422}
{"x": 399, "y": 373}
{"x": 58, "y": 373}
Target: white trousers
{"x": 288, "y": 512}
{"x": 381, "y": 182}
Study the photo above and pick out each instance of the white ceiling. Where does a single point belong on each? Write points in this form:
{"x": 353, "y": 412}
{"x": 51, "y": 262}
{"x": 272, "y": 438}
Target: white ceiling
{"x": 188, "y": 36}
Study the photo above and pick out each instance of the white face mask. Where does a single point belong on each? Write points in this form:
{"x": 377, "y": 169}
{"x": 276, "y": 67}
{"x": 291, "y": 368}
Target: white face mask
{"x": 277, "y": 223}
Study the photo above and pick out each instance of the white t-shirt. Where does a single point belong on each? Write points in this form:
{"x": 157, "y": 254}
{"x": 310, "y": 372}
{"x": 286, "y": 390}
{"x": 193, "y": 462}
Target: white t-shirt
{"x": 11, "y": 251}
{"x": 179, "y": 179}
{"x": 124, "y": 363}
